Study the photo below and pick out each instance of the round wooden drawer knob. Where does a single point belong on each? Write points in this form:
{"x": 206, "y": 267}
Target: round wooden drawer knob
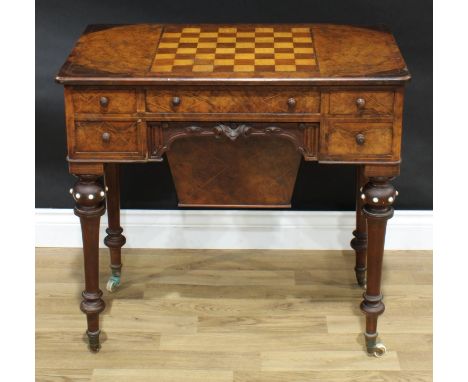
{"x": 360, "y": 139}
{"x": 360, "y": 103}
{"x": 105, "y": 137}
{"x": 176, "y": 101}
{"x": 104, "y": 101}
{"x": 291, "y": 102}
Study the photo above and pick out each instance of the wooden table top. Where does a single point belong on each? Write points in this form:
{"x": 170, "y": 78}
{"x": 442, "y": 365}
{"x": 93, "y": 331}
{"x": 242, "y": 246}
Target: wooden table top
{"x": 245, "y": 53}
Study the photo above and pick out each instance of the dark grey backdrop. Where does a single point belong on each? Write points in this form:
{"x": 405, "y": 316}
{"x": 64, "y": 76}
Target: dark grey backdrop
{"x": 319, "y": 187}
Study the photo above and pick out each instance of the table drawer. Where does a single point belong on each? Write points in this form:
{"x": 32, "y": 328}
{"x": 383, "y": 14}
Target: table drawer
{"x": 104, "y": 139}
{"x": 361, "y": 102}
{"x": 104, "y": 101}
{"x": 354, "y": 140}
{"x": 259, "y": 99}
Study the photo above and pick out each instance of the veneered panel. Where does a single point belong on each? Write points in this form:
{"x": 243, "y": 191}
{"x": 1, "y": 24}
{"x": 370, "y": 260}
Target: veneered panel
{"x": 259, "y": 171}
{"x": 353, "y": 51}
{"x": 373, "y": 103}
{"x": 107, "y": 139}
{"x": 233, "y": 100}
{"x": 116, "y": 101}
{"x": 357, "y": 140}
{"x": 113, "y": 51}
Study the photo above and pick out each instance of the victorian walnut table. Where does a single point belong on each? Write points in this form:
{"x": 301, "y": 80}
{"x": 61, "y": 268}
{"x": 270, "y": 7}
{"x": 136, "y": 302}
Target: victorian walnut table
{"x": 234, "y": 109}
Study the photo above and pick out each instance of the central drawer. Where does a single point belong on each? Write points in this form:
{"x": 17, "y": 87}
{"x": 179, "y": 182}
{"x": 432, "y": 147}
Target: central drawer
{"x": 258, "y": 99}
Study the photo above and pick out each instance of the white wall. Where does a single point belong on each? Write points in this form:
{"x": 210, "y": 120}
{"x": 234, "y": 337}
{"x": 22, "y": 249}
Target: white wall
{"x": 235, "y": 229}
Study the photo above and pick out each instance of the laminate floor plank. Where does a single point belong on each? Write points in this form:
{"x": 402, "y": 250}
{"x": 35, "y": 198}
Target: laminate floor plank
{"x": 161, "y": 375}
{"x": 332, "y": 376}
{"x": 233, "y": 316}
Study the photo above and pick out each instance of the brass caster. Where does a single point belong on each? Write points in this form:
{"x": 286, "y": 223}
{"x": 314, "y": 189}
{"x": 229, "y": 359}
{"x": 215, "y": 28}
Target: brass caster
{"x": 361, "y": 277}
{"x": 113, "y": 283}
{"x": 362, "y": 284}
{"x": 94, "y": 344}
{"x": 94, "y": 348}
{"x": 374, "y": 348}
{"x": 378, "y": 350}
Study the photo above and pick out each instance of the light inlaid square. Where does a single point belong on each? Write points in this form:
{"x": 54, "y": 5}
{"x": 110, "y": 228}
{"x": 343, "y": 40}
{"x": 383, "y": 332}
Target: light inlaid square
{"x": 227, "y": 30}
{"x": 264, "y": 61}
{"x": 182, "y": 62}
{"x": 284, "y": 56}
{"x": 304, "y": 50}
{"x": 244, "y": 68}
{"x": 189, "y": 39}
{"x": 165, "y": 68}
{"x": 264, "y": 30}
{"x": 186, "y": 50}
{"x": 307, "y": 61}
{"x": 202, "y": 68}
{"x": 264, "y": 39}
{"x": 245, "y": 34}
{"x": 245, "y": 49}
{"x": 226, "y": 39}
{"x": 245, "y": 56}
{"x": 248, "y": 45}
{"x": 302, "y": 39}
{"x": 191, "y": 30}
{"x": 224, "y": 61}
{"x": 207, "y": 44}
{"x": 283, "y": 34}
{"x": 285, "y": 68}
{"x": 265, "y": 50}
{"x": 226, "y": 50}
{"x": 283, "y": 45}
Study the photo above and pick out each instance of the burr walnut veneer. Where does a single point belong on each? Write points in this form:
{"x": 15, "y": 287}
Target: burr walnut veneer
{"x": 234, "y": 109}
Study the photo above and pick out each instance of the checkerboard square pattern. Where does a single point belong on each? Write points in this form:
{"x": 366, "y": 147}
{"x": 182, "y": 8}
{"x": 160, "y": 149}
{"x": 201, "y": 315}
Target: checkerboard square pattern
{"x": 211, "y": 49}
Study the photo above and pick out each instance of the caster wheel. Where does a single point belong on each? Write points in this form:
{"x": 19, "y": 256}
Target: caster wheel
{"x": 94, "y": 348}
{"x": 94, "y": 345}
{"x": 361, "y": 277}
{"x": 378, "y": 350}
{"x": 362, "y": 284}
{"x": 113, "y": 283}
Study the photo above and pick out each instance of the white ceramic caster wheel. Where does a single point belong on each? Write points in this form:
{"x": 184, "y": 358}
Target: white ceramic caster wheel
{"x": 113, "y": 283}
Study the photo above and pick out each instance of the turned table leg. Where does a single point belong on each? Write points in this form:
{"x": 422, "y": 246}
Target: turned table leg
{"x": 114, "y": 239}
{"x": 359, "y": 243}
{"x": 378, "y": 195}
{"x": 89, "y": 207}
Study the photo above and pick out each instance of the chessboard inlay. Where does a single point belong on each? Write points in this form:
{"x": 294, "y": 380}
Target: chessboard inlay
{"x": 235, "y": 49}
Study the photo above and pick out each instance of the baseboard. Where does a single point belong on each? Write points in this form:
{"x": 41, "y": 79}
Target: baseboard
{"x": 236, "y": 229}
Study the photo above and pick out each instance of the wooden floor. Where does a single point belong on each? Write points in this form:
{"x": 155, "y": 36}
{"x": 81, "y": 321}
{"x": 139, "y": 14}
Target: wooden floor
{"x": 243, "y": 316}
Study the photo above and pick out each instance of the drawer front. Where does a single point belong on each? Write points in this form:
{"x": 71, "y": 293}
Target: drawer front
{"x": 104, "y": 139}
{"x": 104, "y": 101}
{"x": 354, "y": 140}
{"x": 257, "y": 99}
{"x": 356, "y": 102}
